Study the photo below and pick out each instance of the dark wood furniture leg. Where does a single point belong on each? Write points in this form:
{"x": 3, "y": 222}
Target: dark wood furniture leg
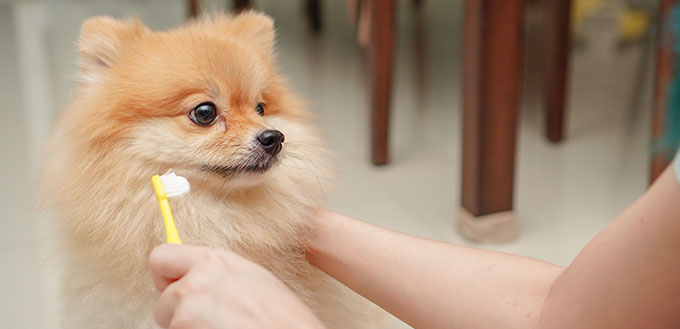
{"x": 556, "y": 66}
{"x": 241, "y": 5}
{"x": 380, "y": 57}
{"x": 491, "y": 94}
{"x": 194, "y": 8}
{"x": 313, "y": 9}
{"x": 419, "y": 53}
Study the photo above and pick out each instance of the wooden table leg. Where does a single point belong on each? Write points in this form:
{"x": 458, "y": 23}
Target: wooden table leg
{"x": 313, "y": 10}
{"x": 491, "y": 93}
{"x": 240, "y": 5}
{"x": 556, "y": 66}
{"x": 665, "y": 138}
{"x": 380, "y": 57}
{"x": 194, "y": 8}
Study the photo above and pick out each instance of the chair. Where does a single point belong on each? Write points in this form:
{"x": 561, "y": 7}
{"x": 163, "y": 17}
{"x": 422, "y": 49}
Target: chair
{"x": 491, "y": 97}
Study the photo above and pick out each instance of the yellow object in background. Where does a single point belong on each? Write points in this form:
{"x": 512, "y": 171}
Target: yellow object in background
{"x": 632, "y": 23}
{"x": 583, "y": 8}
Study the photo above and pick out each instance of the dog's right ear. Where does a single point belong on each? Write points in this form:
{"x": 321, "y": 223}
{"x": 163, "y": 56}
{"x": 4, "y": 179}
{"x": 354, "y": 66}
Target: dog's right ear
{"x": 102, "y": 40}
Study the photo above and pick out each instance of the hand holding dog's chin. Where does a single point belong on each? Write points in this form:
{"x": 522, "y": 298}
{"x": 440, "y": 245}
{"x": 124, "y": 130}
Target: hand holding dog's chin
{"x": 211, "y": 288}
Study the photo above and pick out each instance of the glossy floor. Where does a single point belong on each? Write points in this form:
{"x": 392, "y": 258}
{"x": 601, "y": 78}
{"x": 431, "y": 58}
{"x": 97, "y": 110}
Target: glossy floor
{"x": 565, "y": 193}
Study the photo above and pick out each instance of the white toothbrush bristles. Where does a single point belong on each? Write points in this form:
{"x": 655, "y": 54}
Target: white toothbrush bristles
{"x": 174, "y": 185}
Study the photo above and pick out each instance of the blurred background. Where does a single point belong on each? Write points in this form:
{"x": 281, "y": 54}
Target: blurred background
{"x": 553, "y": 113}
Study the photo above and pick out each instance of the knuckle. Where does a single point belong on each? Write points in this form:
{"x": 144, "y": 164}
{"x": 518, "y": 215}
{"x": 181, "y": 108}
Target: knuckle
{"x": 205, "y": 255}
{"x": 188, "y": 288}
{"x": 192, "y": 284}
{"x": 181, "y": 321}
{"x": 175, "y": 292}
{"x": 185, "y": 317}
{"x": 214, "y": 257}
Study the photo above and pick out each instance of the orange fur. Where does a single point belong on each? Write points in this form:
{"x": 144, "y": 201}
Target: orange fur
{"x": 129, "y": 119}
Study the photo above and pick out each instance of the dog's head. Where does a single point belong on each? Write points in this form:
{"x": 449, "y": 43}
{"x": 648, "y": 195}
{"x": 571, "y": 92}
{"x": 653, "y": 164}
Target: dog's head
{"x": 204, "y": 99}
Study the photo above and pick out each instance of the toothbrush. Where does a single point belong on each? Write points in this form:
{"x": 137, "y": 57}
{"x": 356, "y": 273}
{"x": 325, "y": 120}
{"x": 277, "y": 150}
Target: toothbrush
{"x": 167, "y": 186}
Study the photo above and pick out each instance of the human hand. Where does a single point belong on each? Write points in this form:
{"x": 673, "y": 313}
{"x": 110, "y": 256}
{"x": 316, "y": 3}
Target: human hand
{"x": 210, "y": 288}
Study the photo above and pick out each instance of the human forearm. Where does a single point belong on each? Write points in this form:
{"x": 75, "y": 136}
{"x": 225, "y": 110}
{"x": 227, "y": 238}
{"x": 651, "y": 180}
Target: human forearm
{"x": 429, "y": 284}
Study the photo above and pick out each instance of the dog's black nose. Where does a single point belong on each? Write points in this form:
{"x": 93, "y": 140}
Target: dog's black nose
{"x": 271, "y": 141}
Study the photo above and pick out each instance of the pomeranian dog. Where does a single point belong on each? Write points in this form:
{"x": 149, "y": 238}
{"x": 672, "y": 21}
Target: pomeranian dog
{"x": 206, "y": 100}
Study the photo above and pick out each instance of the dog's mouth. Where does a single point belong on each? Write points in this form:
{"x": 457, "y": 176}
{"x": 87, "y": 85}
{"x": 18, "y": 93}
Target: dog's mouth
{"x": 256, "y": 167}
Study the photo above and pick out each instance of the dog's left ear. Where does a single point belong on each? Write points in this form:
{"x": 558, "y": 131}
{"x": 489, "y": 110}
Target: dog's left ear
{"x": 255, "y": 29}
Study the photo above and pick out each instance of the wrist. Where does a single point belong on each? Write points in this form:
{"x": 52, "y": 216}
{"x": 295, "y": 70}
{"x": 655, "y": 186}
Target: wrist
{"x": 313, "y": 235}
{"x": 320, "y": 235}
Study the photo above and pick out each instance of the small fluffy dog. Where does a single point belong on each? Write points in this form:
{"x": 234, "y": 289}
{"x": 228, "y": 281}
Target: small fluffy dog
{"x": 206, "y": 100}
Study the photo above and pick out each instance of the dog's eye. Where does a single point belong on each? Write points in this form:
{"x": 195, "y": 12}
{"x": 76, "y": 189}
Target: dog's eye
{"x": 204, "y": 114}
{"x": 260, "y": 109}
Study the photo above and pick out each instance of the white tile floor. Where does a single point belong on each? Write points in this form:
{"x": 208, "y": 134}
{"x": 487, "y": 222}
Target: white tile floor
{"x": 564, "y": 193}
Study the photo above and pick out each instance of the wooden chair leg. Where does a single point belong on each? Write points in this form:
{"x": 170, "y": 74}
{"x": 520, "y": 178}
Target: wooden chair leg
{"x": 491, "y": 93}
{"x": 380, "y": 57}
{"x": 194, "y": 8}
{"x": 419, "y": 53}
{"x": 241, "y": 5}
{"x": 557, "y": 53}
{"x": 663, "y": 141}
{"x": 313, "y": 9}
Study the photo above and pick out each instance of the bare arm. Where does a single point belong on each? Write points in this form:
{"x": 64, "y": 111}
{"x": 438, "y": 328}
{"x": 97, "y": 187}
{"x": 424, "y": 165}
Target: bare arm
{"x": 627, "y": 277}
{"x": 430, "y": 284}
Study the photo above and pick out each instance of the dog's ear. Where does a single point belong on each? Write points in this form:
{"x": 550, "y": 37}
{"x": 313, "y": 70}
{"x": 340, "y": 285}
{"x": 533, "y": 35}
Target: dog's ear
{"x": 102, "y": 40}
{"x": 255, "y": 29}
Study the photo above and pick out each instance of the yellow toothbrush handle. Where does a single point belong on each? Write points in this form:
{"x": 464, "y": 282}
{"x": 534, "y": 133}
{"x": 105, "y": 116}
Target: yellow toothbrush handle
{"x": 168, "y": 220}
{"x": 170, "y": 228}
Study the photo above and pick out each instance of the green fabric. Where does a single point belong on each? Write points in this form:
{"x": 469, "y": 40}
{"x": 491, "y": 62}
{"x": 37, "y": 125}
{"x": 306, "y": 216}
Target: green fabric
{"x": 670, "y": 140}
